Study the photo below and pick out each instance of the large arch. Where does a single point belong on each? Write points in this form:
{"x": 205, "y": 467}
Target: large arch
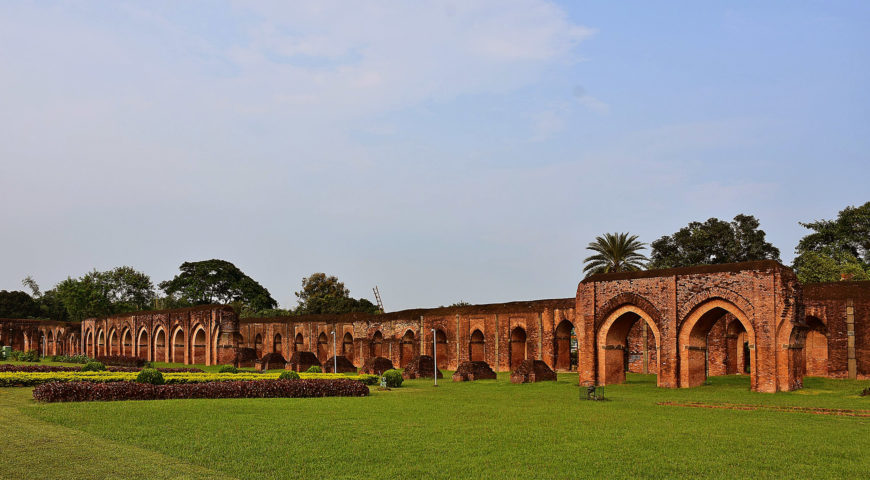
{"x": 127, "y": 342}
{"x": 518, "y": 350}
{"x": 562, "y": 346}
{"x": 347, "y": 346}
{"x": 178, "y": 345}
{"x": 101, "y": 343}
{"x": 143, "y": 349}
{"x": 258, "y": 345}
{"x": 444, "y": 356}
{"x": 277, "y": 345}
{"x": 612, "y": 343}
{"x": 299, "y": 344}
{"x": 476, "y": 347}
{"x": 161, "y": 352}
{"x": 816, "y": 348}
{"x": 114, "y": 343}
{"x": 90, "y": 345}
{"x": 322, "y": 347}
{"x": 198, "y": 346}
{"x": 408, "y": 349}
{"x": 692, "y": 340}
{"x": 49, "y": 343}
{"x": 377, "y": 345}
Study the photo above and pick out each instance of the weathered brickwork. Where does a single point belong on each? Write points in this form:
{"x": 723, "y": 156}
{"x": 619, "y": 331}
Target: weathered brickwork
{"x": 682, "y": 325}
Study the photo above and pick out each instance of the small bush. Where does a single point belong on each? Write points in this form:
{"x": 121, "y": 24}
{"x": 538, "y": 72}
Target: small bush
{"x": 288, "y": 375}
{"x": 228, "y": 369}
{"x": 29, "y": 356}
{"x": 93, "y": 367}
{"x": 151, "y": 376}
{"x": 314, "y": 369}
{"x": 394, "y": 378}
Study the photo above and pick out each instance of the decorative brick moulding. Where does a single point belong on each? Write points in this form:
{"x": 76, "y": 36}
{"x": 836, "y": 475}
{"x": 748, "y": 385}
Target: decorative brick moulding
{"x": 530, "y": 371}
{"x": 682, "y": 325}
{"x": 470, "y": 371}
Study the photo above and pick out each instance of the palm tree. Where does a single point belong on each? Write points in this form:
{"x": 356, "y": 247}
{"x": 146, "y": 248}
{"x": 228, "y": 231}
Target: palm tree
{"x": 616, "y": 252}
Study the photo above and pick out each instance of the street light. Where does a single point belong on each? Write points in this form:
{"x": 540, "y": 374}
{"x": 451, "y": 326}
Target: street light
{"x": 435, "y": 355}
{"x": 334, "y": 355}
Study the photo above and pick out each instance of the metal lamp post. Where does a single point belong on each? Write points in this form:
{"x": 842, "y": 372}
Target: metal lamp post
{"x": 435, "y": 355}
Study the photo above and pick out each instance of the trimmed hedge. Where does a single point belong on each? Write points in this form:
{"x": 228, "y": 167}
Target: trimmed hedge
{"x": 53, "y": 368}
{"x": 86, "y": 391}
{"x": 29, "y": 379}
{"x": 122, "y": 361}
{"x": 93, "y": 367}
{"x": 228, "y": 369}
{"x": 150, "y": 376}
{"x": 393, "y": 378}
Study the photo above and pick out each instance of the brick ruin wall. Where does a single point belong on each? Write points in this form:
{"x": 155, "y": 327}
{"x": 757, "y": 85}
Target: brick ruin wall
{"x": 505, "y": 334}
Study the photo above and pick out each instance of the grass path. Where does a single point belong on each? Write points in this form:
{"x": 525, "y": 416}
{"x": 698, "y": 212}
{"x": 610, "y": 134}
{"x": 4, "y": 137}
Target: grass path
{"x": 486, "y": 429}
{"x": 37, "y": 449}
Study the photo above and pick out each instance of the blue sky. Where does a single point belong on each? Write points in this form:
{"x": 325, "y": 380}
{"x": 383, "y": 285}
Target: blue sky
{"x": 442, "y": 151}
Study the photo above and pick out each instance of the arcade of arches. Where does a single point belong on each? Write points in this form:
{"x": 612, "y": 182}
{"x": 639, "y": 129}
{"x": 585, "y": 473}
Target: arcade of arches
{"x": 682, "y": 325}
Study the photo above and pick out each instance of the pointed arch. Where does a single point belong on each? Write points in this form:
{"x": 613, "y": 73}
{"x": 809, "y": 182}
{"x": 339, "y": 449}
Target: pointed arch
{"x": 377, "y": 344}
{"x": 322, "y": 347}
{"x": 519, "y": 349}
{"x": 612, "y": 343}
{"x": 178, "y": 345}
{"x": 408, "y": 349}
{"x": 160, "y": 345}
{"x": 198, "y": 346}
{"x": 477, "y": 346}
{"x": 347, "y": 346}
{"x": 143, "y": 347}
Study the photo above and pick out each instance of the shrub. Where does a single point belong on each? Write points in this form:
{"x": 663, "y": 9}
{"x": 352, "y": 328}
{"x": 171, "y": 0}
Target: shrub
{"x": 70, "y": 359}
{"x": 228, "y": 369}
{"x": 93, "y": 367}
{"x": 37, "y": 368}
{"x": 28, "y": 356}
{"x": 394, "y": 378}
{"x": 29, "y": 379}
{"x": 288, "y": 375}
{"x": 314, "y": 369}
{"x": 86, "y": 391}
{"x": 149, "y": 375}
{"x": 122, "y": 361}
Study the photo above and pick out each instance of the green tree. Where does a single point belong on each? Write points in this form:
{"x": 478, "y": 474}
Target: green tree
{"x": 836, "y": 247}
{"x": 326, "y": 294}
{"x": 615, "y": 252}
{"x": 96, "y": 294}
{"x": 217, "y": 281}
{"x": 17, "y": 304}
{"x": 712, "y": 242}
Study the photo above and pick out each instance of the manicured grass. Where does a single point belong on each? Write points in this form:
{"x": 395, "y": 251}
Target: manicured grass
{"x": 485, "y": 429}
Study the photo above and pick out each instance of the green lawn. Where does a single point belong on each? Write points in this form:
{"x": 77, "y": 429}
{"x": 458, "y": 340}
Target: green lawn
{"x": 486, "y": 429}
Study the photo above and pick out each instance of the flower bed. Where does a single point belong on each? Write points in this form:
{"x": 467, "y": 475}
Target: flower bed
{"x": 87, "y": 391}
{"x": 29, "y": 379}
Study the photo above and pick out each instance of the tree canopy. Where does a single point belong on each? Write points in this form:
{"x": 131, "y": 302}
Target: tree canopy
{"x": 326, "y": 294}
{"x": 836, "y": 248}
{"x": 17, "y": 304}
{"x": 217, "y": 281}
{"x": 616, "y": 252}
{"x": 97, "y": 294}
{"x": 712, "y": 242}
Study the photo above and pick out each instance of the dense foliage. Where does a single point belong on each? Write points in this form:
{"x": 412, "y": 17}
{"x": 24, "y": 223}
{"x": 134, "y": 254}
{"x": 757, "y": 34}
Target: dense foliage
{"x": 28, "y": 356}
{"x": 326, "y": 294}
{"x": 836, "y": 249}
{"x": 97, "y": 294}
{"x": 17, "y": 304}
{"x": 217, "y": 281}
{"x": 393, "y": 378}
{"x": 228, "y": 369}
{"x": 288, "y": 375}
{"x": 713, "y": 242}
{"x": 615, "y": 252}
{"x": 85, "y": 391}
{"x": 122, "y": 361}
{"x": 93, "y": 367}
{"x": 150, "y": 376}
{"x": 314, "y": 369}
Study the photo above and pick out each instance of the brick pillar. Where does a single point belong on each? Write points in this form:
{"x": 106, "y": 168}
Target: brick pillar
{"x": 850, "y": 340}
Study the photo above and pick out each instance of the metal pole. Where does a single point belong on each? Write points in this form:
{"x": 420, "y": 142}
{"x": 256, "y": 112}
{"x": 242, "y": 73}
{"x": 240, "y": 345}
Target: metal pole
{"x": 334, "y": 355}
{"x": 435, "y": 355}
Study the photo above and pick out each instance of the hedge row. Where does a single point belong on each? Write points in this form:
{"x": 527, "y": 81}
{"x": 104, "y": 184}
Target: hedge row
{"x": 87, "y": 391}
{"x": 121, "y": 361}
{"x": 29, "y": 379}
{"x": 54, "y": 368}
